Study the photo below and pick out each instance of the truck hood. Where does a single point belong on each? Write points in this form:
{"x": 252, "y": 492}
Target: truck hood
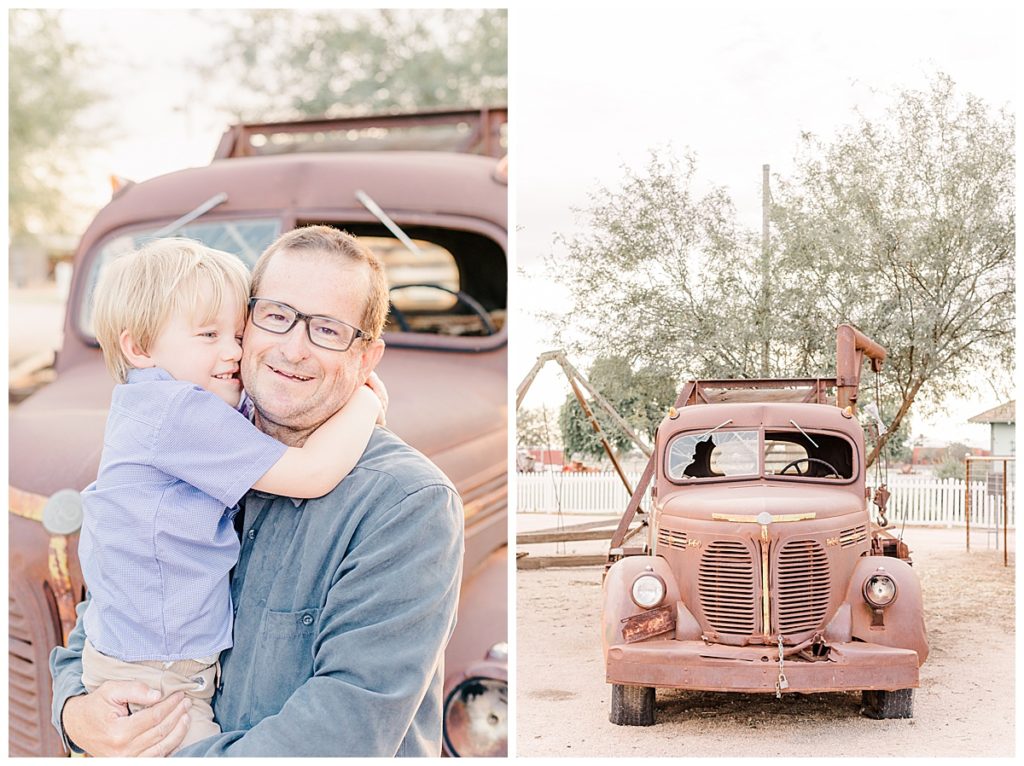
{"x": 751, "y": 499}
{"x": 450, "y": 406}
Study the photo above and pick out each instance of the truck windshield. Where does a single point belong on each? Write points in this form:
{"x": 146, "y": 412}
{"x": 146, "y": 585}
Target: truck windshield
{"x": 245, "y": 238}
{"x": 795, "y": 454}
{"x": 785, "y": 455}
{"x": 716, "y": 455}
{"x": 450, "y": 287}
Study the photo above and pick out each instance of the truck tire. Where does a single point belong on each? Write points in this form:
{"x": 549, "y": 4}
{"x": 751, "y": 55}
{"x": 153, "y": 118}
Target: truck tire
{"x": 887, "y": 704}
{"x": 632, "y": 705}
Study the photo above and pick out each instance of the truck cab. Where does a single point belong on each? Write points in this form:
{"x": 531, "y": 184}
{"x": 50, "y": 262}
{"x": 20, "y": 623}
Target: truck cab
{"x": 437, "y": 216}
{"x": 762, "y": 570}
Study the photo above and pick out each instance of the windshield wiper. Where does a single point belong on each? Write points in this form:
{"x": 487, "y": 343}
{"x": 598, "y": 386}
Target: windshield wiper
{"x": 367, "y": 201}
{"x": 708, "y": 433}
{"x": 206, "y": 207}
{"x": 806, "y": 435}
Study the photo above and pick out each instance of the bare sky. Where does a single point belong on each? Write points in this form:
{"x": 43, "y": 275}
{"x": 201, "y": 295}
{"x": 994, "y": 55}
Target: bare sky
{"x": 158, "y": 114}
{"x": 735, "y": 83}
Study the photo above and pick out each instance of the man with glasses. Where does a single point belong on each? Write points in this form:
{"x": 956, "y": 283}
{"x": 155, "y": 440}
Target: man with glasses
{"x": 343, "y": 604}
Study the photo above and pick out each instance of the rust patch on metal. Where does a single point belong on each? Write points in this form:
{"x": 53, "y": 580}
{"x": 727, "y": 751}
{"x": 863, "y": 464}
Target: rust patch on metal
{"x": 653, "y": 622}
{"x": 60, "y": 580}
{"x": 26, "y": 504}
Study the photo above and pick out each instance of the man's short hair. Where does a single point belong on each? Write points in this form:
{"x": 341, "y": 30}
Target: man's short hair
{"x": 141, "y": 291}
{"x": 328, "y": 242}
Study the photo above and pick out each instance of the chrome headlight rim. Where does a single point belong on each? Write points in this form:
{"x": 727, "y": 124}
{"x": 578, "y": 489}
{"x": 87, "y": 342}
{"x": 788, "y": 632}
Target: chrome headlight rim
{"x": 867, "y": 591}
{"x": 648, "y": 574}
{"x": 452, "y": 697}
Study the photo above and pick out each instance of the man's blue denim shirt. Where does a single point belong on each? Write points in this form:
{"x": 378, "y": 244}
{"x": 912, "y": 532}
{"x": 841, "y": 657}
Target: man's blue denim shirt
{"x": 344, "y": 605}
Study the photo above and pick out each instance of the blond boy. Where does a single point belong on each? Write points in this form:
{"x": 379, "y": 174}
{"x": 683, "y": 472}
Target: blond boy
{"x": 158, "y": 540}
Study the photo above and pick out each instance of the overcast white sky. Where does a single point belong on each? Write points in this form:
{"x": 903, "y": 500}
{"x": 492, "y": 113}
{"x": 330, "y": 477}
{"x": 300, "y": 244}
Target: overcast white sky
{"x": 158, "y": 115}
{"x": 735, "y": 83}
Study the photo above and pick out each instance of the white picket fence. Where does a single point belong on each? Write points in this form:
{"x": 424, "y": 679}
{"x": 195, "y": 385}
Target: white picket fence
{"x": 915, "y": 499}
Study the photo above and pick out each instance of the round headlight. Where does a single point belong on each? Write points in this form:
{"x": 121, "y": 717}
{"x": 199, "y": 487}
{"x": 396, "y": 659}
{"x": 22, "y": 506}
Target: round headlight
{"x": 879, "y": 590}
{"x": 648, "y": 590}
{"x": 476, "y": 718}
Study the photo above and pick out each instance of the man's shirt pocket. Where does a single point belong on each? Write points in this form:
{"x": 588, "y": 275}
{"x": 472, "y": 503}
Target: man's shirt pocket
{"x": 303, "y": 622}
{"x": 285, "y": 650}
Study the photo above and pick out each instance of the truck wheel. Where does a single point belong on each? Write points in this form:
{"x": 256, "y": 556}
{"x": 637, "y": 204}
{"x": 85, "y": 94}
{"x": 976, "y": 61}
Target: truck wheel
{"x": 887, "y": 704}
{"x": 632, "y": 705}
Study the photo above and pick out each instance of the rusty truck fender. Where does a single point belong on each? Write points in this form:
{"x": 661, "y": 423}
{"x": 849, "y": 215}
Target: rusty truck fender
{"x": 902, "y": 622}
{"x": 619, "y": 607}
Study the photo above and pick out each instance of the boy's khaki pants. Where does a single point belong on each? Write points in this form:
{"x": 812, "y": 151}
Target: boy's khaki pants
{"x": 197, "y": 678}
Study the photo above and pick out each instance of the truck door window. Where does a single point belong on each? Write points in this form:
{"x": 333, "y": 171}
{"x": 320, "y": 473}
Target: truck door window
{"x": 794, "y": 455}
{"x": 718, "y": 455}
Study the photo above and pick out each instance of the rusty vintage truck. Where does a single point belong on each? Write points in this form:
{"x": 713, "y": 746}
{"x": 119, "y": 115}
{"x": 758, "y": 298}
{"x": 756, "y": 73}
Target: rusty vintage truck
{"x": 762, "y": 571}
{"x": 428, "y": 192}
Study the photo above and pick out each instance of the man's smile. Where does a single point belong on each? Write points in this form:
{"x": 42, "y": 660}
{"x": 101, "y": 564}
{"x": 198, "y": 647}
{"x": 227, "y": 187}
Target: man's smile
{"x": 290, "y": 375}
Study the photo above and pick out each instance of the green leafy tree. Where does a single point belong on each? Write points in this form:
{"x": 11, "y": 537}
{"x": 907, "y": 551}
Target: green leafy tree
{"x": 905, "y": 225}
{"x": 48, "y": 94}
{"x": 666, "y": 276}
{"x": 641, "y": 397}
{"x": 289, "y": 64}
{"x": 954, "y": 466}
{"x": 897, "y": 448}
{"x": 537, "y": 428}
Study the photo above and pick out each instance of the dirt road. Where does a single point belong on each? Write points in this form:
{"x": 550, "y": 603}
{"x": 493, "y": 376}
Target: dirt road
{"x": 965, "y": 706}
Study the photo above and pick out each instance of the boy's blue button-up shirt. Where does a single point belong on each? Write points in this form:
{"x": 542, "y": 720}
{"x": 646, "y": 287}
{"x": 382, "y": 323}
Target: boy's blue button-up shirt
{"x": 344, "y": 606}
{"x": 157, "y": 541}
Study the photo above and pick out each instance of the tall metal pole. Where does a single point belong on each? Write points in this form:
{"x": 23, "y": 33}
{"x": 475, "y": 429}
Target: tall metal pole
{"x": 967, "y": 502}
{"x": 765, "y": 274}
{"x": 1006, "y": 517}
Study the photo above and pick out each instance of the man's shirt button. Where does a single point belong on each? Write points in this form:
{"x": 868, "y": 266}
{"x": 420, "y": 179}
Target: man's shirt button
{"x": 252, "y": 534}
{"x": 307, "y": 619}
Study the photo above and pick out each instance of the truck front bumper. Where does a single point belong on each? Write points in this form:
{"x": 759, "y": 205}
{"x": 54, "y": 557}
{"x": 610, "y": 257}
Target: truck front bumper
{"x": 695, "y": 665}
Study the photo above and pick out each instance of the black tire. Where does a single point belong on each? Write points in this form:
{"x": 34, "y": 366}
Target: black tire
{"x": 632, "y": 705}
{"x": 887, "y": 704}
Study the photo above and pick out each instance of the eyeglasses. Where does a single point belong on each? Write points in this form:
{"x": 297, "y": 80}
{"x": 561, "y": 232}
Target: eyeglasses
{"x": 325, "y": 332}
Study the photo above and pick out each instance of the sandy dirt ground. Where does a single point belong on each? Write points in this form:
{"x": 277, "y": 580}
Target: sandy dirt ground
{"x": 964, "y": 707}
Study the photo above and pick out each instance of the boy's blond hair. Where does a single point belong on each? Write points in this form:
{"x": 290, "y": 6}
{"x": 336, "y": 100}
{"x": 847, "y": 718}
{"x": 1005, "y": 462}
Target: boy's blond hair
{"x": 139, "y": 292}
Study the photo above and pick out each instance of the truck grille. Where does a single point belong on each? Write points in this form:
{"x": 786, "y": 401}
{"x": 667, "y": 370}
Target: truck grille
{"x": 803, "y": 582}
{"x": 853, "y": 536}
{"x": 24, "y": 707}
{"x": 671, "y": 538}
{"x": 726, "y": 585}
{"x": 32, "y": 631}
